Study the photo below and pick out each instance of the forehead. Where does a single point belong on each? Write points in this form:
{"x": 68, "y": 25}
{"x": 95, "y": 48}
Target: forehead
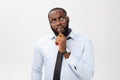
{"x": 56, "y": 14}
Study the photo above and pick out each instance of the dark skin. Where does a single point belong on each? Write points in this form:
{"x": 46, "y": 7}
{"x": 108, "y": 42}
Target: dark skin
{"x": 58, "y": 21}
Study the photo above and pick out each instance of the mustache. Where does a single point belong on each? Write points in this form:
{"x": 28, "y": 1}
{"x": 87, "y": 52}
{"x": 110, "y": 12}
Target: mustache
{"x": 56, "y": 32}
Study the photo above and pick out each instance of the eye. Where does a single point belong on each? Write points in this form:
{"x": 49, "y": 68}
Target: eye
{"x": 53, "y": 21}
{"x": 61, "y": 19}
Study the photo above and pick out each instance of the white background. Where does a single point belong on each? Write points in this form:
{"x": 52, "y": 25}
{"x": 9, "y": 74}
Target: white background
{"x": 24, "y": 22}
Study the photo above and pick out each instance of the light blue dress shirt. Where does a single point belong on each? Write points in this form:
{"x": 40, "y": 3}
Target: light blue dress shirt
{"x": 79, "y": 66}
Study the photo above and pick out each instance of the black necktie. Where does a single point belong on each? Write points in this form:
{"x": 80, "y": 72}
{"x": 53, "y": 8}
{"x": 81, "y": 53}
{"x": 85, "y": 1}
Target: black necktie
{"x": 58, "y": 65}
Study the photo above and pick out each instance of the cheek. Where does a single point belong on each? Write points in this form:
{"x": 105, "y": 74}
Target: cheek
{"x": 65, "y": 24}
{"x": 52, "y": 26}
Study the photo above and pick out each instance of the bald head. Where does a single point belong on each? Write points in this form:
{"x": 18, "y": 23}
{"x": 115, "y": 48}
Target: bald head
{"x": 57, "y": 8}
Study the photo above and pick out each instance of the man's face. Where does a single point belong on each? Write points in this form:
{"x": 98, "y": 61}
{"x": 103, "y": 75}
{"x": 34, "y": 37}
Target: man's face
{"x": 58, "y": 22}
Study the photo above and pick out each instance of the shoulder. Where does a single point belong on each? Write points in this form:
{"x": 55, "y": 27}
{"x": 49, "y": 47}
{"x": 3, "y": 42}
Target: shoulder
{"x": 43, "y": 40}
{"x": 79, "y": 37}
{"x": 82, "y": 37}
{"x": 85, "y": 40}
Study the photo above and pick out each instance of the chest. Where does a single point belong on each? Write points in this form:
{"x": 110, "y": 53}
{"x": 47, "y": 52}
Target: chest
{"x": 50, "y": 50}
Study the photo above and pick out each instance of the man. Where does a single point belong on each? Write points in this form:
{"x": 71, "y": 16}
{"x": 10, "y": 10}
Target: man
{"x": 77, "y": 51}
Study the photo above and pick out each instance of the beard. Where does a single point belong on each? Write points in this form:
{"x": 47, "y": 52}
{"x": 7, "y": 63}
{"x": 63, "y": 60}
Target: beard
{"x": 64, "y": 33}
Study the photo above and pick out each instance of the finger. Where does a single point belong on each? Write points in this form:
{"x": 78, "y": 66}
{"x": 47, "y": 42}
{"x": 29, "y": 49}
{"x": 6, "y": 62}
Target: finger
{"x": 56, "y": 43}
{"x": 61, "y": 35}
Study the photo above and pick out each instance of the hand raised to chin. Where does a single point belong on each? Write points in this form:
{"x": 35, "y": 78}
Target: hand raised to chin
{"x": 61, "y": 42}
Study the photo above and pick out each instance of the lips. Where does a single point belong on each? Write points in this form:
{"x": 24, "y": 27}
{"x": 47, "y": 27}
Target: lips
{"x": 60, "y": 29}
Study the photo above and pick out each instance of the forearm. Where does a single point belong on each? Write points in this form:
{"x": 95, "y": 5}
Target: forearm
{"x": 36, "y": 75}
{"x": 37, "y": 65}
{"x": 82, "y": 69}
{"x": 83, "y": 65}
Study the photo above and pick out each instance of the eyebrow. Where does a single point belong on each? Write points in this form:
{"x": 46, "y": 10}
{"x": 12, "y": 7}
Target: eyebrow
{"x": 58, "y": 18}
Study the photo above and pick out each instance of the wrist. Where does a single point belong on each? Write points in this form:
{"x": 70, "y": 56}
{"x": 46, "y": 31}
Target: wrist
{"x": 66, "y": 53}
{"x": 63, "y": 53}
{"x": 62, "y": 50}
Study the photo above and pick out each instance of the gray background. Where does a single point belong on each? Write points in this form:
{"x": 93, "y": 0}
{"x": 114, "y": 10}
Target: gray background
{"x": 24, "y": 22}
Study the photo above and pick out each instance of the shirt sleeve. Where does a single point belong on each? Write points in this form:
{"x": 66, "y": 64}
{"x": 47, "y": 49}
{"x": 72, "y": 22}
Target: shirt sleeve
{"x": 83, "y": 67}
{"x": 37, "y": 65}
